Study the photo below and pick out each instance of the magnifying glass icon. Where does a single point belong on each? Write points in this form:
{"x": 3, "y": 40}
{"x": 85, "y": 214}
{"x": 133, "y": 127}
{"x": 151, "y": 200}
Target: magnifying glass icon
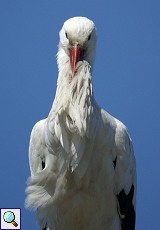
{"x": 9, "y": 217}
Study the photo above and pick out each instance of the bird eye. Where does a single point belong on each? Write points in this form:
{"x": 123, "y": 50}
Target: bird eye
{"x": 66, "y": 35}
{"x": 89, "y": 37}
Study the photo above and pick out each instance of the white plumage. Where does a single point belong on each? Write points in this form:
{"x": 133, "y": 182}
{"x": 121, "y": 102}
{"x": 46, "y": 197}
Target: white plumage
{"x": 83, "y": 173}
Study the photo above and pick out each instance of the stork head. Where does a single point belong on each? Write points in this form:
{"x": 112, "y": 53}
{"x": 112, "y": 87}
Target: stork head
{"x": 78, "y": 41}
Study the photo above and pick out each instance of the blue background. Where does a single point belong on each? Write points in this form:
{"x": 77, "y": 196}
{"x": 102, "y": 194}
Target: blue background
{"x": 126, "y": 82}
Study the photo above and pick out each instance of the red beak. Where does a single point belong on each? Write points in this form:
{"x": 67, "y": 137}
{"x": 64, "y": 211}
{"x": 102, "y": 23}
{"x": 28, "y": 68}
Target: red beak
{"x": 76, "y": 55}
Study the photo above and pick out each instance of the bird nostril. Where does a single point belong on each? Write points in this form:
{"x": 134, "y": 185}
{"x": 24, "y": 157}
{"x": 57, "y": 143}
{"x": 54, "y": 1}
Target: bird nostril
{"x": 43, "y": 164}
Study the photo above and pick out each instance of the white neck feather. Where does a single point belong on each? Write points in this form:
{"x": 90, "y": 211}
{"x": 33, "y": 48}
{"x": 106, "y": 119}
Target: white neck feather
{"x": 74, "y": 97}
{"x": 70, "y": 118}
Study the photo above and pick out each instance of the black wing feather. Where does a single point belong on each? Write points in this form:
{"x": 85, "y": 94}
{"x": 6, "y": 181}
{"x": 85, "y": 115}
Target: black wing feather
{"x": 127, "y": 209}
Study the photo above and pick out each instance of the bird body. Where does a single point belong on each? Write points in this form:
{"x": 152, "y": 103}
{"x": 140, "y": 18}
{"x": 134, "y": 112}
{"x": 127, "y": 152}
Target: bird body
{"x": 82, "y": 164}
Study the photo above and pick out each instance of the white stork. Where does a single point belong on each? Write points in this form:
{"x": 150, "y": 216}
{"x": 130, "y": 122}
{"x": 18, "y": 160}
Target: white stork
{"x": 83, "y": 171}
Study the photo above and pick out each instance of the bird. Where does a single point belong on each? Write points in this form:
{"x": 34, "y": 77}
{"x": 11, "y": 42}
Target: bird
{"x": 82, "y": 162}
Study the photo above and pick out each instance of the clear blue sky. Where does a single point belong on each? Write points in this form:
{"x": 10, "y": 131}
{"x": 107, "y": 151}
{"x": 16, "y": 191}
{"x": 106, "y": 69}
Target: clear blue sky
{"x": 126, "y": 81}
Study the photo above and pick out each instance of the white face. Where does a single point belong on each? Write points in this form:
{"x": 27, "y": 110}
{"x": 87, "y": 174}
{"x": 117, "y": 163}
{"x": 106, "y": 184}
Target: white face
{"x": 79, "y": 31}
